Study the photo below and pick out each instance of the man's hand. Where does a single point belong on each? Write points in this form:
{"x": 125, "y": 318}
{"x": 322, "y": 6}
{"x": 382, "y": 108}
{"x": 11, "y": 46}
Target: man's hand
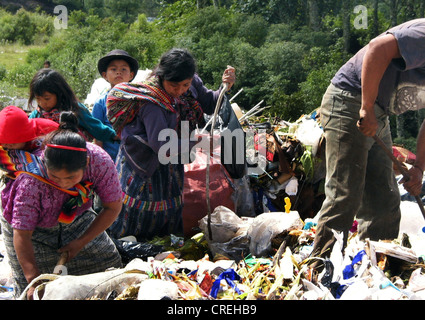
{"x": 414, "y": 184}
{"x": 368, "y": 125}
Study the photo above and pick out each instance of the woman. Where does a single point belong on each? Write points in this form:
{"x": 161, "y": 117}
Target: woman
{"x": 45, "y": 215}
{"x": 152, "y": 204}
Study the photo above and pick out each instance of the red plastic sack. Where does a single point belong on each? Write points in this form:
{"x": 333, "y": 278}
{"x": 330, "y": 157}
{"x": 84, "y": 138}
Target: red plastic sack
{"x": 195, "y": 198}
{"x": 404, "y": 155}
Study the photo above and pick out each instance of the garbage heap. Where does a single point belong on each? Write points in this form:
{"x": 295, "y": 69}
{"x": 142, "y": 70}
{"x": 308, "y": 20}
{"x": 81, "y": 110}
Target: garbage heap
{"x": 245, "y": 259}
{"x": 261, "y": 248}
{"x": 294, "y": 166}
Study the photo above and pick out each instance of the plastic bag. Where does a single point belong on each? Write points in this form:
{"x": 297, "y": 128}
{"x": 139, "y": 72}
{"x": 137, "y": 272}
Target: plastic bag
{"x": 267, "y": 226}
{"x": 221, "y": 189}
{"x": 227, "y": 119}
{"x": 243, "y": 198}
{"x": 309, "y": 133}
{"x": 157, "y": 289}
{"x": 229, "y": 233}
{"x": 225, "y": 225}
{"x": 95, "y": 285}
{"x": 130, "y": 250}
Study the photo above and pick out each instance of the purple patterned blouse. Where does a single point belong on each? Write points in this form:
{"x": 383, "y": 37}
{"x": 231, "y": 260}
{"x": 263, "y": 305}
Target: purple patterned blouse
{"x": 28, "y": 203}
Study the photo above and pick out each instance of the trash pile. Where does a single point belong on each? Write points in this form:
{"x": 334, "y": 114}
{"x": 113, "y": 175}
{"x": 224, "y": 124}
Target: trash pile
{"x": 260, "y": 248}
{"x": 294, "y": 167}
{"x": 270, "y": 265}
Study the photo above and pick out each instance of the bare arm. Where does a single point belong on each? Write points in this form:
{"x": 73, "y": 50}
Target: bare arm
{"x": 377, "y": 58}
{"x": 414, "y": 185}
{"x": 25, "y": 253}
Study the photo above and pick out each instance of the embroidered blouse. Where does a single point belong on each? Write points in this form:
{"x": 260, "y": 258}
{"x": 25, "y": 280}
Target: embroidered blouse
{"x": 29, "y": 203}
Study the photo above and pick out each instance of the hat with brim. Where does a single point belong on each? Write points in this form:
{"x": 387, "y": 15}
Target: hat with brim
{"x": 16, "y": 127}
{"x": 103, "y": 63}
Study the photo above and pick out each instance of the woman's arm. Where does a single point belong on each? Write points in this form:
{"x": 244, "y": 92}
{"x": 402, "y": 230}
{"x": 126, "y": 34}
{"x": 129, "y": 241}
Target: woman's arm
{"x": 104, "y": 220}
{"x": 26, "y": 257}
{"x": 25, "y": 253}
{"x": 207, "y": 97}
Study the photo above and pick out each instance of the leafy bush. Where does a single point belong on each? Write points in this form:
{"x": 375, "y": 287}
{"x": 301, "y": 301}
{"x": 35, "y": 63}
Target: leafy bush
{"x": 24, "y": 27}
{"x": 21, "y": 75}
{"x": 3, "y": 72}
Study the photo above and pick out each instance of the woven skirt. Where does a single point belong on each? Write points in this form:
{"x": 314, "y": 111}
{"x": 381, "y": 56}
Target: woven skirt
{"x": 97, "y": 256}
{"x": 151, "y": 207}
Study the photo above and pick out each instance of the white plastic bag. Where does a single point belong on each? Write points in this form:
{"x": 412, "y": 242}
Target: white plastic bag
{"x": 83, "y": 287}
{"x": 268, "y": 225}
{"x": 309, "y": 133}
{"x": 229, "y": 233}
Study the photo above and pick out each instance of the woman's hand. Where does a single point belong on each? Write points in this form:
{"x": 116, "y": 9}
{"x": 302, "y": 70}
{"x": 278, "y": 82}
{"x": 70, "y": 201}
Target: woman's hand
{"x": 229, "y": 76}
{"x": 72, "y": 248}
{"x": 103, "y": 220}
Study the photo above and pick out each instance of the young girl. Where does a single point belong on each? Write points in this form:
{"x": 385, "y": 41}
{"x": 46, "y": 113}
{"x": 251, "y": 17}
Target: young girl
{"x": 45, "y": 215}
{"x": 54, "y": 95}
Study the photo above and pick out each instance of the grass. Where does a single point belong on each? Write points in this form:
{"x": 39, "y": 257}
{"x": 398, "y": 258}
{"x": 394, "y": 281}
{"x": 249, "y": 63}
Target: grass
{"x": 12, "y": 54}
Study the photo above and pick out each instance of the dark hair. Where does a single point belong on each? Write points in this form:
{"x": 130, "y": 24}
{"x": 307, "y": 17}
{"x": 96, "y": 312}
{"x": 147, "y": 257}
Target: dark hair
{"x": 66, "y": 135}
{"x": 176, "y": 65}
{"x": 52, "y": 81}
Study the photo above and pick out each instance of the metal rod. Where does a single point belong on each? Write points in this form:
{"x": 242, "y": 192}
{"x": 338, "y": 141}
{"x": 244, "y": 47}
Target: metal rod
{"x": 401, "y": 168}
{"x": 252, "y": 110}
{"x": 237, "y": 93}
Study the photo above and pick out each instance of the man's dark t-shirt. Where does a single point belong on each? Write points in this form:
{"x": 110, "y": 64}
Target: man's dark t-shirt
{"x": 402, "y": 87}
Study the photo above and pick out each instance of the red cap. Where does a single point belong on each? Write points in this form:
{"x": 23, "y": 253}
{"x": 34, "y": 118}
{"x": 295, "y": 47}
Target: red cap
{"x": 44, "y": 126}
{"x": 16, "y": 127}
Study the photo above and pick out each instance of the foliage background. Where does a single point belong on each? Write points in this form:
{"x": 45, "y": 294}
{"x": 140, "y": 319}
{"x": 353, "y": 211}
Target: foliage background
{"x": 285, "y": 51}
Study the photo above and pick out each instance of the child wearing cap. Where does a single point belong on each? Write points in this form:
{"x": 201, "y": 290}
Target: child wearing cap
{"x": 54, "y": 95}
{"x": 49, "y": 213}
{"x": 17, "y": 131}
{"x": 115, "y": 67}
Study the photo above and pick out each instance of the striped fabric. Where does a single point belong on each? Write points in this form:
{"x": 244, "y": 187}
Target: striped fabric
{"x": 16, "y": 162}
{"x": 151, "y": 207}
{"x": 97, "y": 256}
{"x": 162, "y": 205}
{"x": 125, "y": 100}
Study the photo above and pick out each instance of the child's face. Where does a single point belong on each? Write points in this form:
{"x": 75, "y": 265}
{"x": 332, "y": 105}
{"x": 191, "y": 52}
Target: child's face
{"x": 14, "y": 146}
{"x": 118, "y": 71}
{"x": 47, "y": 101}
